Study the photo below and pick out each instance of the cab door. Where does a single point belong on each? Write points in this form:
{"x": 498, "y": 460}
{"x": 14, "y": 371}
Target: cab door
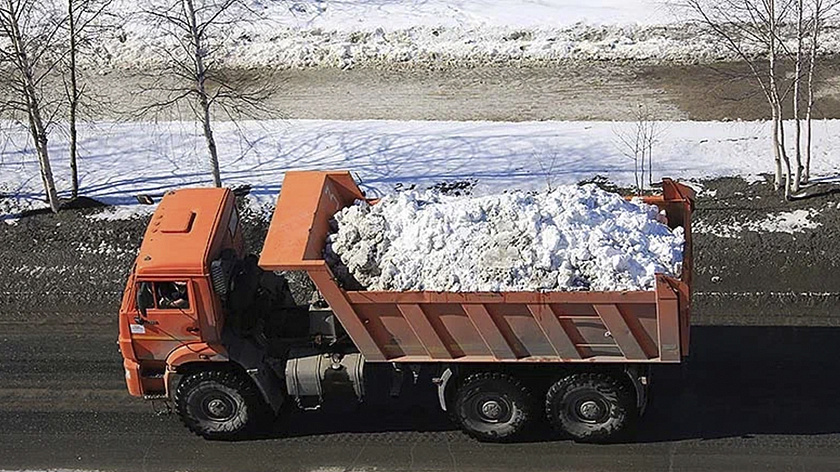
{"x": 161, "y": 323}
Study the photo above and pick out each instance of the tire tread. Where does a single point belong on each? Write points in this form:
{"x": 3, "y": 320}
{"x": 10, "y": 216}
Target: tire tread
{"x": 605, "y": 432}
{"x": 525, "y": 405}
{"x": 255, "y": 404}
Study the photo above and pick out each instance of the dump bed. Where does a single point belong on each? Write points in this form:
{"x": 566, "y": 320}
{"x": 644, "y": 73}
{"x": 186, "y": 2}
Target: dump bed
{"x": 632, "y": 326}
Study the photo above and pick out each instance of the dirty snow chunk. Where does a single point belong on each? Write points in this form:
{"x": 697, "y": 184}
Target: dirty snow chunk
{"x": 795, "y": 221}
{"x": 791, "y": 222}
{"x": 572, "y": 238}
{"x": 126, "y": 212}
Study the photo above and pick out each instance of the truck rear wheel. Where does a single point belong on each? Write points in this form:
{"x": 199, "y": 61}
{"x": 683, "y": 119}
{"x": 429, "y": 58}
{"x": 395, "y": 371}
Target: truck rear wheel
{"x": 591, "y": 407}
{"x": 219, "y": 404}
{"x": 491, "y": 406}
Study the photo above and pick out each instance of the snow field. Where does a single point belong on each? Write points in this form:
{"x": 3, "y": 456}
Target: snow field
{"x": 571, "y": 238}
{"x": 120, "y": 160}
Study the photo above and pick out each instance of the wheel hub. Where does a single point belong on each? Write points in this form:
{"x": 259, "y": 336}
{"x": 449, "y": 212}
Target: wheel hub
{"x": 590, "y": 410}
{"x": 491, "y": 409}
{"x": 218, "y": 408}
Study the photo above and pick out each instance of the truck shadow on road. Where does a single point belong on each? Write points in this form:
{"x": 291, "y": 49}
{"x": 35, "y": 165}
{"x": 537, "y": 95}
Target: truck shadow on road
{"x": 744, "y": 381}
{"x": 739, "y": 382}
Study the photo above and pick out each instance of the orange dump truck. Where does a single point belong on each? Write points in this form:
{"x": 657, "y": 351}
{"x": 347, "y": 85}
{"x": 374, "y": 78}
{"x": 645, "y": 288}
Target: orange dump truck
{"x": 218, "y": 333}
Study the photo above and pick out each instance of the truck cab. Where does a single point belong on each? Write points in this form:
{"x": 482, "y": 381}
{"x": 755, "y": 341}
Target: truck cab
{"x": 202, "y": 326}
{"x": 190, "y": 229}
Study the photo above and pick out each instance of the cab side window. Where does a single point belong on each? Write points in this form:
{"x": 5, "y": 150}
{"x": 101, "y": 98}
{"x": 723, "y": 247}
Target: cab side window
{"x": 172, "y": 295}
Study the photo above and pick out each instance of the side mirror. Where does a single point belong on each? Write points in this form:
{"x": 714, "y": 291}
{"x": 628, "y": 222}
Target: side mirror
{"x": 144, "y": 299}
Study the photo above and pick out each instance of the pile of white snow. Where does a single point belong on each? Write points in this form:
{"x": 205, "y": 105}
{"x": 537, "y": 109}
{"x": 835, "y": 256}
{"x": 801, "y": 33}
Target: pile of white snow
{"x": 440, "y": 33}
{"x": 572, "y": 238}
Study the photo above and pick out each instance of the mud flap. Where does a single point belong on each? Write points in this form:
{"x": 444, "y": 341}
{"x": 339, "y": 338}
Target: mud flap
{"x": 640, "y": 378}
{"x": 442, "y": 383}
{"x": 252, "y": 359}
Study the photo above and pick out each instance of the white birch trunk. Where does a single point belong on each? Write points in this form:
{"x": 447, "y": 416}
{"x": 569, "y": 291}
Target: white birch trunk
{"x": 816, "y": 24}
{"x": 201, "y": 90}
{"x": 36, "y": 123}
{"x": 74, "y": 101}
{"x": 778, "y": 139}
{"x": 797, "y": 81}
{"x": 778, "y": 114}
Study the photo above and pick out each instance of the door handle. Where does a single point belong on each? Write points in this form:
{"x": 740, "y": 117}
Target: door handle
{"x": 142, "y": 321}
{"x": 192, "y": 329}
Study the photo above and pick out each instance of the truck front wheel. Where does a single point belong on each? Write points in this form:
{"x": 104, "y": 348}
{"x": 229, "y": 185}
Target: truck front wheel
{"x": 491, "y": 406}
{"x": 219, "y": 404}
{"x": 591, "y": 407}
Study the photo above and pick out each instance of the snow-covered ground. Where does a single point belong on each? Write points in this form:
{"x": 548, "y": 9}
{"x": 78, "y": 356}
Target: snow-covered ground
{"x": 343, "y": 33}
{"x": 349, "y": 15}
{"x": 791, "y": 222}
{"x": 120, "y": 160}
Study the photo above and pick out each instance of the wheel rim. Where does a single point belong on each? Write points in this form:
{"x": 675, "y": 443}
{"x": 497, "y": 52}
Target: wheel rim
{"x": 492, "y": 408}
{"x": 218, "y": 406}
{"x": 588, "y": 407}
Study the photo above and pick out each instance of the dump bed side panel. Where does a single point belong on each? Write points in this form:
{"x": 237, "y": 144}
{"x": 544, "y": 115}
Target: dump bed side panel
{"x": 300, "y": 224}
{"x": 418, "y": 326}
{"x": 643, "y": 326}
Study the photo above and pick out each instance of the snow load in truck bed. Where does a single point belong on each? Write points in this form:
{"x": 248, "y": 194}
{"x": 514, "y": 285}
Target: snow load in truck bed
{"x": 571, "y": 238}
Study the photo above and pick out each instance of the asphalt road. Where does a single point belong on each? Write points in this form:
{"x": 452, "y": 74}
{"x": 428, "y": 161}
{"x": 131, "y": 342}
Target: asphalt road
{"x": 566, "y": 91}
{"x": 758, "y": 393}
{"x": 752, "y": 398}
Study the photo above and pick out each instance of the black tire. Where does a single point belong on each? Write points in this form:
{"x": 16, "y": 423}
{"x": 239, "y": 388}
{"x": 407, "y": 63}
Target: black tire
{"x": 591, "y": 407}
{"x": 491, "y": 406}
{"x": 220, "y": 404}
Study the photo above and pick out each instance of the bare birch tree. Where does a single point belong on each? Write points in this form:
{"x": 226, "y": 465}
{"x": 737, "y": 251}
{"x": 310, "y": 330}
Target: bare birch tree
{"x": 749, "y": 29}
{"x": 773, "y": 33}
{"x": 797, "y": 90}
{"x": 28, "y": 59}
{"x": 637, "y": 143}
{"x": 816, "y": 26}
{"x": 818, "y": 12}
{"x": 195, "y": 75}
{"x": 81, "y": 15}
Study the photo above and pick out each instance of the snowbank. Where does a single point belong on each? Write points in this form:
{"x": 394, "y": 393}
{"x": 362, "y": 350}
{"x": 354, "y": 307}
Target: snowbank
{"x": 572, "y": 238}
{"x": 297, "y": 48}
{"x": 441, "y": 33}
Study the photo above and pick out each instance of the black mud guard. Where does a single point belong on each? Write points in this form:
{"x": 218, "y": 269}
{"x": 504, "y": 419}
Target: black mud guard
{"x": 252, "y": 359}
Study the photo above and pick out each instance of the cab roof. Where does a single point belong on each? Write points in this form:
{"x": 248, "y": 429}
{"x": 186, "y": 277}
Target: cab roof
{"x": 181, "y": 233}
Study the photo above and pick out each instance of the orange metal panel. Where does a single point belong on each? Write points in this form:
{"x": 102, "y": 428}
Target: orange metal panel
{"x": 132, "y": 377}
{"x": 554, "y": 332}
{"x": 393, "y": 334}
{"x": 486, "y": 298}
{"x": 466, "y": 340}
{"x": 521, "y": 330}
{"x": 182, "y": 231}
{"x": 427, "y": 335}
{"x": 197, "y": 352}
{"x": 571, "y": 329}
{"x": 455, "y": 329}
{"x": 489, "y": 331}
{"x": 354, "y": 326}
{"x": 300, "y": 223}
{"x": 667, "y": 309}
{"x": 632, "y": 340}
